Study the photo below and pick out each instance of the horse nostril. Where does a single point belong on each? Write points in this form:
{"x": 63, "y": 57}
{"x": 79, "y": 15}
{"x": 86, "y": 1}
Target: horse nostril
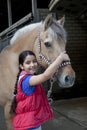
{"x": 67, "y": 78}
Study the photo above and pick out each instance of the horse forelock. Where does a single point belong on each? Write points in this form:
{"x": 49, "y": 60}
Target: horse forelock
{"x": 60, "y": 31}
{"x": 24, "y": 30}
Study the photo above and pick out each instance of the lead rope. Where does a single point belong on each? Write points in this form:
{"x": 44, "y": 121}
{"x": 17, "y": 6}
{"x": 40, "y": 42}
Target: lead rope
{"x": 52, "y": 80}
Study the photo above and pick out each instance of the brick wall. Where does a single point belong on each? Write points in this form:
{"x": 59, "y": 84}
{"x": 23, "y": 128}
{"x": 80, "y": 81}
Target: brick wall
{"x": 77, "y": 47}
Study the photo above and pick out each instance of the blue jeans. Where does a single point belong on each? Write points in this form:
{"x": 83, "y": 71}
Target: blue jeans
{"x": 38, "y": 128}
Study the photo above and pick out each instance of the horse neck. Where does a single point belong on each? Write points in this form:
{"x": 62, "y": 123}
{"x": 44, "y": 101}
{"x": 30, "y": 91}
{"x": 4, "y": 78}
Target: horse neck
{"x": 25, "y": 42}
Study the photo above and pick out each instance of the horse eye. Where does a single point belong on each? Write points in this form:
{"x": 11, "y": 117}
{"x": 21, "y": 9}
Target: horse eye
{"x": 47, "y": 44}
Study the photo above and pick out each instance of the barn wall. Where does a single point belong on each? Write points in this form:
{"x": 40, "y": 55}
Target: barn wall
{"x": 6, "y": 35}
{"x": 77, "y": 47}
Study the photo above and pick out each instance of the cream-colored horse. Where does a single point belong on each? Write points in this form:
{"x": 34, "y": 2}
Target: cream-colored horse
{"x": 46, "y": 39}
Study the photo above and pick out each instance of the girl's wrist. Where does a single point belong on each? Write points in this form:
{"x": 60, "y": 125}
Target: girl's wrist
{"x": 59, "y": 60}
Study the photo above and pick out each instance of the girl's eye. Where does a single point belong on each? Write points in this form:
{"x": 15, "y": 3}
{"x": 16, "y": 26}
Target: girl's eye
{"x": 28, "y": 62}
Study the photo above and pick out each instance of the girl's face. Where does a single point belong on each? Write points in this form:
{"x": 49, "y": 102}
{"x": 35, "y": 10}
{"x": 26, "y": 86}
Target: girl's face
{"x": 30, "y": 64}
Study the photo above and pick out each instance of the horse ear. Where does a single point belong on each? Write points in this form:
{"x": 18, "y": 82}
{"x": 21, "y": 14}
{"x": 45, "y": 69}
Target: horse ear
{"x": 48, "y": 21}
{"x": 62, "y": 20}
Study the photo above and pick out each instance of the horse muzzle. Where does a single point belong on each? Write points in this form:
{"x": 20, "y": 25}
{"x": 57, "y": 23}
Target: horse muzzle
{"x": 66, "y": 77}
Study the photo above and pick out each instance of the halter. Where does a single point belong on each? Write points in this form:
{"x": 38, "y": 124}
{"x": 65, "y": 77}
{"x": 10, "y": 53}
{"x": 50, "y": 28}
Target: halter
{"x": 41, "y": 56}
{"x": 48, "y": 62}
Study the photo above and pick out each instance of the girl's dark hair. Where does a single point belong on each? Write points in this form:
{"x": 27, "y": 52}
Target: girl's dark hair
{"x": 22, "y": 57}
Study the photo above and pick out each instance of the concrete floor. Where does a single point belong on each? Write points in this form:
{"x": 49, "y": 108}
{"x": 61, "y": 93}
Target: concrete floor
{"x": 69, "y": 114}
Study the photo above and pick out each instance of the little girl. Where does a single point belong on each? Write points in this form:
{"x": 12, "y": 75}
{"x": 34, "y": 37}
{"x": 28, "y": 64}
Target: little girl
{"x": 30, "y": 104}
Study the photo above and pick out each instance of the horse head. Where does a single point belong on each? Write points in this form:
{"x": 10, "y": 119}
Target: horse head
{"x": 51, "y": 41}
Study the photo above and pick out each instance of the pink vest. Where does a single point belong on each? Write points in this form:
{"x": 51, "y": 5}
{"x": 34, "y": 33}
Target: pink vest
{"x": 32, "y": 110}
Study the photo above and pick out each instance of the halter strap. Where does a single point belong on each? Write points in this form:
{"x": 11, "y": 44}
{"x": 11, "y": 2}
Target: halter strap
{"x": 65, "y": 63}
{"x": 41, "y": 56}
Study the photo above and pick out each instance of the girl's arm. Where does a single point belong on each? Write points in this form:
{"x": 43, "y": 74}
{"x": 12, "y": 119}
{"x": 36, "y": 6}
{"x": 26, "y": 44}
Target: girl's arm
{"x": 49, "y": 72}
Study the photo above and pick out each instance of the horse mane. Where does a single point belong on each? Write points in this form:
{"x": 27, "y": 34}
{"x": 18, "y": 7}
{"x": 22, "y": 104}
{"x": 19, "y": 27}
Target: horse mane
{"x": 28, "y": 28}
{"x": 19, "y": 33}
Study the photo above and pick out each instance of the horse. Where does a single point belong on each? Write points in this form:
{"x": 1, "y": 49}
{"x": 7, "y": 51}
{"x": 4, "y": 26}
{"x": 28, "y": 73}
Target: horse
{"x": 47, "y": 39}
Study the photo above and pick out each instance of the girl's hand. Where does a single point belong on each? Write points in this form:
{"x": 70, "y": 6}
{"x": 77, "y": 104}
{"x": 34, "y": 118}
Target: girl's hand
{"x": 63, "y": 57}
